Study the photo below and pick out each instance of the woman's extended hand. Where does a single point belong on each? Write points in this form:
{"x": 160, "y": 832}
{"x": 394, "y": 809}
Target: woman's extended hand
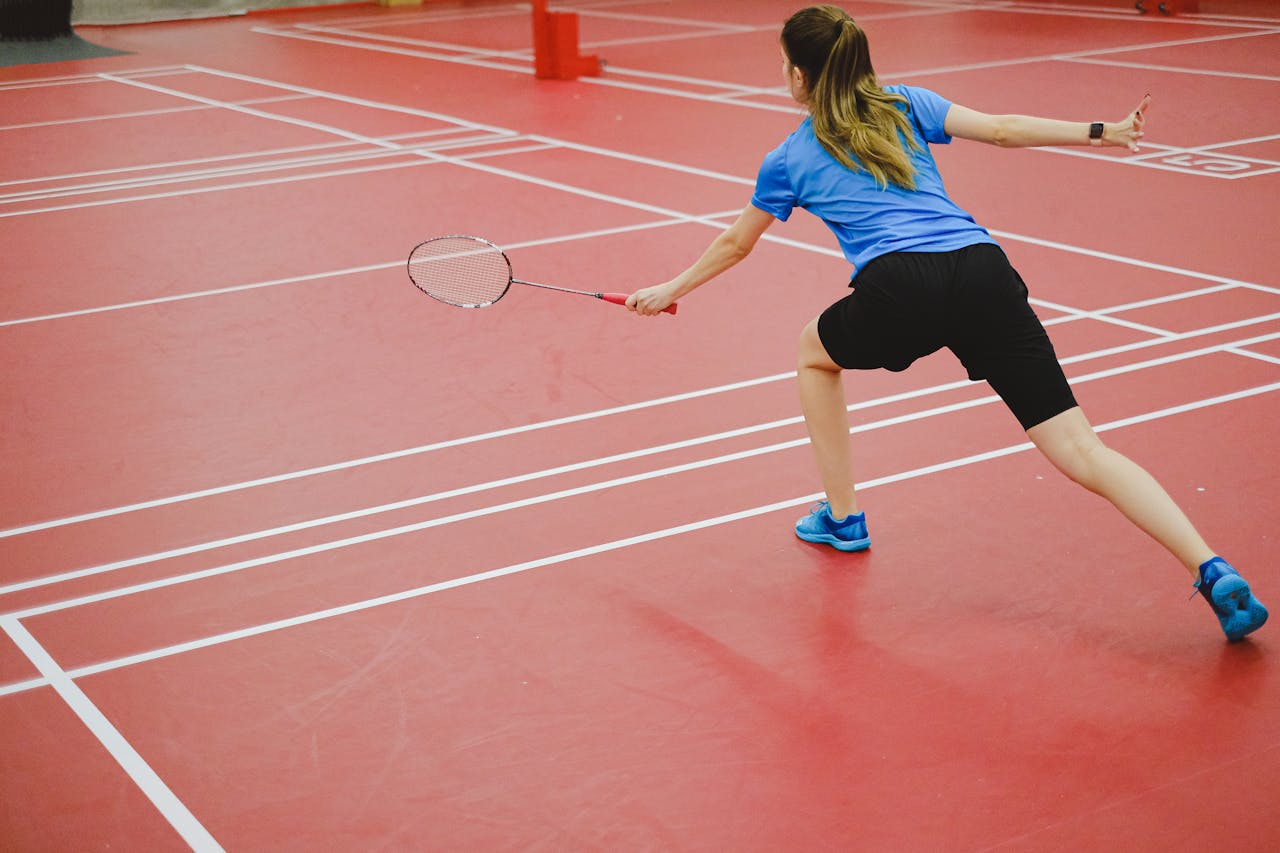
{"x": 1129, "y": 131}
{"x": 651, "y": 300}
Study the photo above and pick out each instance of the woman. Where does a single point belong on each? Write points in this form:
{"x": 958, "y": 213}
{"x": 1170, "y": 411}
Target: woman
{"x": 927, "y": 276}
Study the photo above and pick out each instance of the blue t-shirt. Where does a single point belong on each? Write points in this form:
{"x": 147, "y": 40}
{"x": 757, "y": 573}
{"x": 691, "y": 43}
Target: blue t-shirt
{"x": 869, "y": 220}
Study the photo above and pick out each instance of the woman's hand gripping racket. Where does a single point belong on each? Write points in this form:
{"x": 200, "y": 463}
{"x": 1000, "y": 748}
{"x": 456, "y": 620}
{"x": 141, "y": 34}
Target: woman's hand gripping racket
{"x": 471, "y": 272}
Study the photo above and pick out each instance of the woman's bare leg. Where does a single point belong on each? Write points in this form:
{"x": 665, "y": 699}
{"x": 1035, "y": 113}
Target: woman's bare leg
{"x": 822, "y": 400}
{"x": 1069, "y": 442}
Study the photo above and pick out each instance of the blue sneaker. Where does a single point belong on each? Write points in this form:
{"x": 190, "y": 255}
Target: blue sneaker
{"x": 1229, "y": 596}
{"x": 849, "y": 534}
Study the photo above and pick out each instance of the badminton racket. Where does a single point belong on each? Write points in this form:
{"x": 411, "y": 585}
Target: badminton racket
{"x": 471, "y": 272}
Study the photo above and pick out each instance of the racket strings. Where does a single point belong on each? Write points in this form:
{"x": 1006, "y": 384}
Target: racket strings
{"x": 462, "y": 271}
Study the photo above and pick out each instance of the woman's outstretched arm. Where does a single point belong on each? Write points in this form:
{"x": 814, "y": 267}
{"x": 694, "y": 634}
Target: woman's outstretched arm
{"x": 1017, "y": 131}
{"x": 733, "y": 244}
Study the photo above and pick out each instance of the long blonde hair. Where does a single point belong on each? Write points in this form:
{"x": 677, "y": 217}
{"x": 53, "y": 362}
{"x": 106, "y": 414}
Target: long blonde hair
{"x": 855, "y": 120}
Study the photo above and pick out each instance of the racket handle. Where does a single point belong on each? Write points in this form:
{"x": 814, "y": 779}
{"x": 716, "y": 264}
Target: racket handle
{"x": 621, "y": 299}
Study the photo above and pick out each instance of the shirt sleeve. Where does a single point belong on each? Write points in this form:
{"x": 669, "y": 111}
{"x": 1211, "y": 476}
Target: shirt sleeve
{"x": 930, "y": 112}
{"x": 774, "y": 194}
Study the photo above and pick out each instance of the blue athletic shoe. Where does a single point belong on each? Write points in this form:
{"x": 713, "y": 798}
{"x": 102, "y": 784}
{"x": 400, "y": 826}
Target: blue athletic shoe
{"x": 849, "y": 534}
{"x": 1229, "y": 596}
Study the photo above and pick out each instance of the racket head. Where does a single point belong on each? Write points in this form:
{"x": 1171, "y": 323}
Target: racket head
{"x": 460, "y": 270}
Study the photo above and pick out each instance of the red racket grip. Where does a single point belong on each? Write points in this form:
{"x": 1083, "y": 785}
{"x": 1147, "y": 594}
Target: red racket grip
{"x": 621, "y": 299}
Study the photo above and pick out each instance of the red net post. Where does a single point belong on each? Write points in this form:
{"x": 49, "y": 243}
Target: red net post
{"x": 555, "y": 46}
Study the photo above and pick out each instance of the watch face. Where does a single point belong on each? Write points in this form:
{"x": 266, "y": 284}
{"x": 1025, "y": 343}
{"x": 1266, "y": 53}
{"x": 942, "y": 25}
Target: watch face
{"x": 1095, "y": 130}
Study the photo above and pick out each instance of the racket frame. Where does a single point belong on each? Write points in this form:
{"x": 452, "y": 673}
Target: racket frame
{"x": 614, "y": 298}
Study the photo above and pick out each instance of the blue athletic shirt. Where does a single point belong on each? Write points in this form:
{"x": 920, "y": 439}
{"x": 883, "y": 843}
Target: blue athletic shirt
{"x": 868, "y": 220}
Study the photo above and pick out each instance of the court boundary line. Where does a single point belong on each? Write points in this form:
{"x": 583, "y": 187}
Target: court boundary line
{"x": 143, "y": 113}
{"x": 1172, "y": 69}
{"x": 90, "y": 77}
{"x": 257, "y": 168}
{"x": 1156, "y": 156}
{"x": 636, "y": 406}
{"x": 518, "y": 568}
{"x": 162, "y": 797}
{"x": 307, "y": 277}
{"x": 167, "y": 164}
{"x": 549, "y": 497}
{"x": 220, "y": 188}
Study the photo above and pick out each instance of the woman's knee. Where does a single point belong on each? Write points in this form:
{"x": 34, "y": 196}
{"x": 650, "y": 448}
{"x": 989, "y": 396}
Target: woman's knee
{"x": 813, "y": 354}
{"x": 1070, "y": 443}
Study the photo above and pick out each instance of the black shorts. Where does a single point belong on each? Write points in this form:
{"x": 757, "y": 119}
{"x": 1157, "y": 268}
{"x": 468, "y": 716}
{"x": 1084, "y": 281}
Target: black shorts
{"x": 906, "y": 305}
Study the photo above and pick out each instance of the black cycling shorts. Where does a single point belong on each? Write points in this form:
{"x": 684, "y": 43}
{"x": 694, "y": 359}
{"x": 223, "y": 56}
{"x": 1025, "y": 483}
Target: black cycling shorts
{"x": 906, "y": 305}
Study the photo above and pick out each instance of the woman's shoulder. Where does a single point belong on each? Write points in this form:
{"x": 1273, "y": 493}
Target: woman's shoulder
{"x": 907, "y": 90}
{"x": 796, "y": 137}
{"x": 913, "y": 94}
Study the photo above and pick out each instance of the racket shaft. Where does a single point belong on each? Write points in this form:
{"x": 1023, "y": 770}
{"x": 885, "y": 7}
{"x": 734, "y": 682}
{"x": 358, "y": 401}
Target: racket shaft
{"x": 615, "y": 298}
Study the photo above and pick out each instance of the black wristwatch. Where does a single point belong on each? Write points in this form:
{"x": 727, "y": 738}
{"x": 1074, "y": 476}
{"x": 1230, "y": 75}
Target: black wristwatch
{"x": 1095, "y": 133}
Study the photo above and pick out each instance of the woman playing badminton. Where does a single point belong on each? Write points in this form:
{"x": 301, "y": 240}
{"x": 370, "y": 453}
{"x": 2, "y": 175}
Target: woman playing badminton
{"x": 927, "y": 277}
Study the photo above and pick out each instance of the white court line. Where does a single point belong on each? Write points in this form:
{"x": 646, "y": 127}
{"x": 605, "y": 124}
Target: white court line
{"x": 519, "y": 67}
{"x": 1239, "y": 20}
{"x": 587, "y": 12}
{"x": 1149, "y": 160}
{"x": 1241, "y": 75}
{"x": 74, "y": 79}
{"x": 1102, "y": 317}
{"x": 1119, "y": 15}
{"x": 246, "y": 169}
{"x": 298, "y": 279}
{"x": 148, "y": 781}
{"x": 593, "y": 463}
{"x": 232, "y": 171}
{"x": 346, "y": 99}
{"x": 298, "y": 122}
{"x": 334, "y": 173}
{"x": 1154, "y": 151}
{"x": 1072, "y": 55}
{"x": 1270, "y": 359}
{"x": 367, "y": 604}
{"x": 1270, "y": 137}
{"x": 1076, "y": 315}
{"x": 142, "y": 113}
{"x": 1136, "y": 262}
{"x": 458, "y": 52}
{"x": 265, "y": 152}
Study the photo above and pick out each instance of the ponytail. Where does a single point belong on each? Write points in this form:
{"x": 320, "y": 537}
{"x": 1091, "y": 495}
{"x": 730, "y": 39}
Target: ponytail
{"x": 854, "y": 119}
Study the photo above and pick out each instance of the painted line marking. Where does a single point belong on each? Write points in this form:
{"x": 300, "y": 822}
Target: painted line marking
{"x": 548, "y": 497}
{"x": 147, "y": 780}
{"x": 367, "y": 604}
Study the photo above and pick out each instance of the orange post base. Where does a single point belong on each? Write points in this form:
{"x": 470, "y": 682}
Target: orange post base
{"x": 555, "y": 46}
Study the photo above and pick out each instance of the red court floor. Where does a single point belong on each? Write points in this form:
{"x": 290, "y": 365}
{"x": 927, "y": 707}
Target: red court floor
{"x": 295, "y": 558}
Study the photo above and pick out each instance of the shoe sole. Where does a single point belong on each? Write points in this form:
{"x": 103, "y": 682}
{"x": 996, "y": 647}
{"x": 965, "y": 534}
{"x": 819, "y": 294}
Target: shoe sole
{"x": 836, "y": 542}
{"x": 1238, "y": 611}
